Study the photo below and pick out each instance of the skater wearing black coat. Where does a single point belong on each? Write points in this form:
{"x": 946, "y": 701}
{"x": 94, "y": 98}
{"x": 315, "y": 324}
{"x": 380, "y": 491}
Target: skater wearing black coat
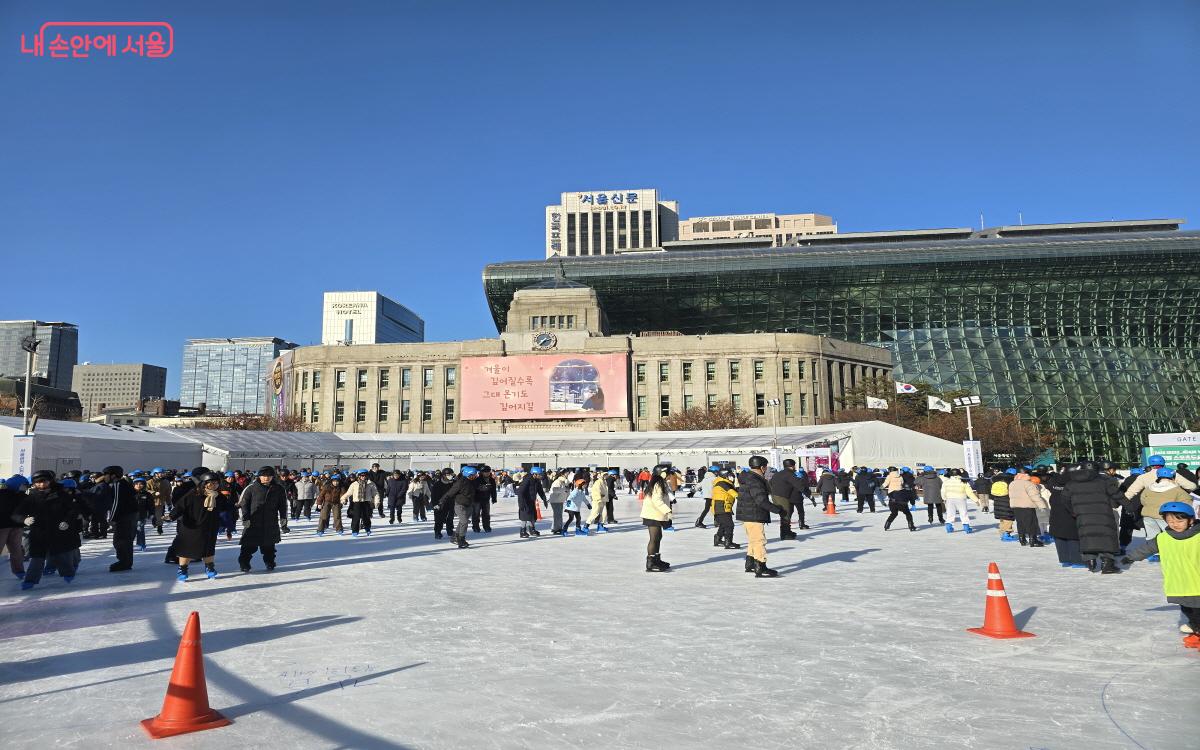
{"x": 396, "y": 487}
{"x": 787, "y": 492}
{"x": 54, "y": 521}
{"x": 264, "y": 510}
{"x": 528, "y": 493}
{"x": 1000, "y": 505}
{"x": 485, "y": 498}
{"x": 460, "y": 497}
{"x": 754, "y": 509}
{"x": 864, "y": 489}
{"x": 196, "y": 522}
{"x": 1093, "y": 498}
{"x": 1062, "y": 522}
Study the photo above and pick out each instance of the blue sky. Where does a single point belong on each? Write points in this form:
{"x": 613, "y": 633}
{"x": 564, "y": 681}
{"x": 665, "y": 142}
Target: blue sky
{"x": 288, "y": 148}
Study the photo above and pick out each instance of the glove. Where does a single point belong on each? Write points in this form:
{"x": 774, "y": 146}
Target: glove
{"x": 62, "y": 526}
{"x": 29, "y": 521}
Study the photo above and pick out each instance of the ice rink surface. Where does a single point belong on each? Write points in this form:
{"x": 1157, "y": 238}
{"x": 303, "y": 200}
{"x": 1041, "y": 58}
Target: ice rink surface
{"x": 398, "y": 641}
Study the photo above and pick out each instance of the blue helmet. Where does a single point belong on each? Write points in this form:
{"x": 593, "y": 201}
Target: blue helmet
{"x": 1156, "y": 460}
{"x": 1184, "y": 509}
{"x": 1136, "y": 472}
{"x": 187, "y": 473}
{"x": 71, "y": 484}
{"x": 905, "y": 470}
{"x": 229, "y": 473}
{"x": 534, "y": 470}
{"x": 336, "y": 476}
{"x": 1011, "y": 472}
{"x": 714, "y": 467}
{"x": 1165, "y": 473}
{"x": 156, "y": 470}
{"x": 941, "y": 472}
{"x": 361, "y": 472}
{"x": 470, "y": 471}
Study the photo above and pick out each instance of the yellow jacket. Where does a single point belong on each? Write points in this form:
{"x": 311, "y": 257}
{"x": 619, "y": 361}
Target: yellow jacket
{"x": 724, "y": 496}
{"x": 656, "y": 506}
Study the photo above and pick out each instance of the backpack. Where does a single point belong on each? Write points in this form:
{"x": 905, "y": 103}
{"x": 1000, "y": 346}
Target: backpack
{"x": 999, "y": 489}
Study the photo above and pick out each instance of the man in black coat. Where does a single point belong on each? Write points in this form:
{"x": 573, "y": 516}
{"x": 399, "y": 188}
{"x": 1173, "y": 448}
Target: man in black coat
{"x": 485, "y": 496}
{"x": 396, "y": 487}
{"x": 264, "y": 511}
{"x": 379, "y": 477}
{"x": 116, "y": 493}
{"x": 443, "y": 513}
{"x": 754, "y": 509}
{"x": 864, "y": 488}
{"x": 787, "y": 493}
{"x": 461, "y": 497}
{"x": 1093, "y": 498}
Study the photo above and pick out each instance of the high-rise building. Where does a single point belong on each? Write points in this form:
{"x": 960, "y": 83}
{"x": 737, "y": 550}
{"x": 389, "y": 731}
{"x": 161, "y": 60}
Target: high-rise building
{"x": 604, "y": 222}
{"x": 368, "y": 318}
{"x": 229, "y": 376}
{"x": 56, "y": 356}
{"x": 111, "y": 386}
{"x": 783, "y": 229}
{"x": 1090, "y": 328}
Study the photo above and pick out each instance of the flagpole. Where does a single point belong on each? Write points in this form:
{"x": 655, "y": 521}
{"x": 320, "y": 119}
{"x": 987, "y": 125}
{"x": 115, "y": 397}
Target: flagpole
{"x": 970, "y": 427}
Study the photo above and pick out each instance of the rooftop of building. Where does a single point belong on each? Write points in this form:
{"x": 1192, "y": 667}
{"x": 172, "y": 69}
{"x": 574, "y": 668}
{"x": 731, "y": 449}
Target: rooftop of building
{"x": 242, "y": 340}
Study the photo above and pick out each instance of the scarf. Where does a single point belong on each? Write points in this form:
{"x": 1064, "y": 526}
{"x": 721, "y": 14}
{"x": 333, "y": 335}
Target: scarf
{"x": 210, "y": 499}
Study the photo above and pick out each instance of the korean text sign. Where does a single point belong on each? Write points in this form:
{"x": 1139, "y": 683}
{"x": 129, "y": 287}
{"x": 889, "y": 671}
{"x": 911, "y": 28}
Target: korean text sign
{"x": 545, "y": 386}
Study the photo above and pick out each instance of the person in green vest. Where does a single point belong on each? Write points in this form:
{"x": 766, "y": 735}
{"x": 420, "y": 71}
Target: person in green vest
{"x": 1178, "y": 549}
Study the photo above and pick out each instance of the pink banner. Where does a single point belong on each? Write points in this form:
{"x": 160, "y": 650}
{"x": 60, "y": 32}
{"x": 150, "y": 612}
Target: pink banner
{"x": 545, "y": 386}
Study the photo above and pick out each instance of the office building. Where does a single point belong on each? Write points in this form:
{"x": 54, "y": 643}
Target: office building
{"x": 368, "y": 318}
{"x": 555, "y": 367}
{"x": 56, "y": 355}
{"x": 1091, "y": 328}
{"x": 782, "y": 229}
{"x": 100, "y": 387}
{"x": 605, "y": 222}
{"x": 229, "y": 376}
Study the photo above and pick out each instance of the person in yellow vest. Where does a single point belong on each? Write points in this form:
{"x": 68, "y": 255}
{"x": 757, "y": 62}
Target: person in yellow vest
{"x": 723, "y": 497}
{"x": 1179, "y": 551}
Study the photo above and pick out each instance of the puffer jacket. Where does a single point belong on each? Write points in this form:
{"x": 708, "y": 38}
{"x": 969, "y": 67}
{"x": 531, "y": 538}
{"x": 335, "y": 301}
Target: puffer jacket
{"x": 893, "y": 482}
{"x": 1023, "y": 493}
{"x": 827, "y": 483}
{"x": 656, "y": 506}
{"x": 1093, "y": 499}
{"x": 1162, "y": 491}
{"x": 931, "y": 487}
{"x": 724, "y": 495}
{"x": 754, "y": 498}
{"x": 1144, "y": 482}
{"x": 363, "y": 491}
{"x": 954, "y": 488}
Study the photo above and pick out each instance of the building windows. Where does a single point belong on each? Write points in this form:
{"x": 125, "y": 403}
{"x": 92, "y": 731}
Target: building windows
{"x": 533, "y": 322}
{"x": 787, "y": 405}
{"x": 571, "y": 321}
{"x": 304, "y": 380}
{"x": 664, "y": 372}
{"x": 339, "y": 378}
{"x": 800, "y": 370}
{"x": 427, "y": 377}
{"x": 597, "y": 248}
{"x": 712, "y": 401}
{"x": 635, "y": 233}
{"x": 688, "y": 401}
{"x": 687, "y": 372}
{"x": 740, "y": 225}
{"x": 647, "y": 230}
{"x": 720, "y": 226}
{"x": 664, "y": 406}
{"x": 622, "y": 230}
{"x": 360, "y": 411}
{"x": 362, "y": 379}
{"x": 736, "y": 400}
{"x": 383, "y": 411}
{"x": 760, "y": 405}
{"x": 700, "y": 226}
{"x": 735, "y": 371}
{"x": 315, "y": 411}
{"x": 608, "y": 233}
{"x": 339, "y": 411}
{"x": 758, "y": 369}
{"x": 316, "y": 378}
{"x": 570, "y": 234}
{"x": 639, "y": 372}
{"x": 427, "y": 410}
{"x": 764, "y": 224}
{"x": 404, "y": 410}
{"x": 787, "y": 369}
{"x": 385, "y": 377}
{"x": 405, "y": 378}
{"x": 449, "y": 410}
{"x": 303, "y": 411}
{"x": 451, "y": 376}
{"x": 641, "y": 407}
{"x": 710, "y": 372}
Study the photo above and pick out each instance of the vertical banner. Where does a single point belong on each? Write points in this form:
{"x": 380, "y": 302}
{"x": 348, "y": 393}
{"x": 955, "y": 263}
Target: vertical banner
{"x": 22, "y": 455}
{"x": 973, "y": 457}
{"x": 281, "y": 384}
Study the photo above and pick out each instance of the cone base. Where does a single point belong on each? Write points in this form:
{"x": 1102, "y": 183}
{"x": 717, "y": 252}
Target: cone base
{"x": 1002, "y": 636}
{"x": 158, "y": 728}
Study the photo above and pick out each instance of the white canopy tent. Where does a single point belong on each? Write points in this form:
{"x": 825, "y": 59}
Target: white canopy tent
{"x": 63, "y": 446}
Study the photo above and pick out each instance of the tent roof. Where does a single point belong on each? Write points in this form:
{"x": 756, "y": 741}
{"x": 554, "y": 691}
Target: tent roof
{"x": 93, "y": 431}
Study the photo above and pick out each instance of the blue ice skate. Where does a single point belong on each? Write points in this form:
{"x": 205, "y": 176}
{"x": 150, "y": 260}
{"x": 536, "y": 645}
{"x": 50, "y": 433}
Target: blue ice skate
{"x": 582, "y": 532}
{"x": 342, "y": 533}
{"x": 181, "y": 577}
{"x": 967, "y": 529}
{"x": 210, "y": 574}
{"x": 1152, "y": 558}
{"x": 1078, "y": 565}
{"x": 141, "y": 548}
{"x": 1065, "y": 565}
{"x": 26, "y": 585}
{"x": 368, "y": 532}
{"x": 601, "y": 529}
{"x": 320, "y": 533}
{"x": 1046, "y": 538}
{"x": 949, "y": 528}
{"x": 1007, "y": 537}
{"x": 355, "y": 535}
{"x": 20, "y": 576}
{"x": 68, "y": 579}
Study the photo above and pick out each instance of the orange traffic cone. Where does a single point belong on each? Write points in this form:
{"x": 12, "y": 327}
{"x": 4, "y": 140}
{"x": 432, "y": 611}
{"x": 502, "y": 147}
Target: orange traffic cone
{"x": 185, "y": 709}
{"x": 537, "y": 508}
{"x": 997, "y": 618}
{"x": 830, "y": 510}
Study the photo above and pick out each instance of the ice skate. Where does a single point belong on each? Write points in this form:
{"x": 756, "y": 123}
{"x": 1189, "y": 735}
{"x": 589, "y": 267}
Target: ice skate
{"x": 1007, "y": 537}
{"x": 20, "y": 575}
{"x": 182, "y": 575}
{"x": 949, "y": 528}
{"x": 1036, "y": 542}
{"x": 749, "y": 564}
{"x": 524, "y": 534}
{"x": 762, "y": 571}
{"x": 661, "y": 562}
{"x": 354, "y": 534}
{"x": 1191, "y": 641}
{"x": 700, "y": 525}
{"x": 1185, "y": 628}
{"x": 967, "y": 528}
{"x": 26, "y": 585}
{"x": 652, "y": 566}
{"x": 210, "y": 571}
{"x": 581, "y": 532}
{"x": 732, "y": 545}
{"x": 601, "y": 528}
{"x": 717, "y": 540}
{"x": 68, "y": 579}
{"x": 1109, "y": 567}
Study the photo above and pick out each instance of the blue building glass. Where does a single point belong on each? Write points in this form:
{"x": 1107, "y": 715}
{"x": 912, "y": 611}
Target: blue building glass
{"x": 229, "y": 376}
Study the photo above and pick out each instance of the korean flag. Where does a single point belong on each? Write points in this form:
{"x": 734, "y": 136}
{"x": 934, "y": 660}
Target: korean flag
{"x": 905, "y": 387}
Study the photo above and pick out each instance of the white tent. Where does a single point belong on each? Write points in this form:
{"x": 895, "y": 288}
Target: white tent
{"x": 63, "y": 446}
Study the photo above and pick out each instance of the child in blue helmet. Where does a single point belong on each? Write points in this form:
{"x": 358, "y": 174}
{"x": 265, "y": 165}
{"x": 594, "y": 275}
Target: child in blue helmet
{"x": 1179, "y": 549}
{"x": 1164, "y": 490}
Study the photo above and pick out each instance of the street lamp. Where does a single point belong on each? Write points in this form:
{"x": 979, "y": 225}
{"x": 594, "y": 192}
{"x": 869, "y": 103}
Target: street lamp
{"x": 967, "y": 402}
{"x": 30, "y": 345}
{"x": 774, "y": 404}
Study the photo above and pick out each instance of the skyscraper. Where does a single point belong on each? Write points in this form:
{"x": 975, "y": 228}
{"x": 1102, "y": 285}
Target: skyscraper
{"x": 368, "y": 318}
{"x": 56, "y": 355}
{"x": 114, "y": 386}
{"x": 229, "y": 375}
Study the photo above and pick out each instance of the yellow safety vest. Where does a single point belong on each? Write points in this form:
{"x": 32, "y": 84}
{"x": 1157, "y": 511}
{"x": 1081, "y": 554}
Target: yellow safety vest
{"x": 1180, "y": 560}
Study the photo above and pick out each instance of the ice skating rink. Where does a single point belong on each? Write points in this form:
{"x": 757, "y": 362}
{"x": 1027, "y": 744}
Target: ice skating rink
{"x": 398, "y": 641}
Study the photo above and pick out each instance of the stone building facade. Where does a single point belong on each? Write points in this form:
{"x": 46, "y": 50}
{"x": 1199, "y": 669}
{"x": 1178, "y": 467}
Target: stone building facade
{"x": 417, "y": 388}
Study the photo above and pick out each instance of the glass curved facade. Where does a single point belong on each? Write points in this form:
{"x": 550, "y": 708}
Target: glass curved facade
{"x": 1096, "y": 335}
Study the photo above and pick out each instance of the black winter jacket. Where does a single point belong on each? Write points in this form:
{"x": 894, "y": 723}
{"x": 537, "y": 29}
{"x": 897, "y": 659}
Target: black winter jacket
{"x": 1093, "y": 498}
{"x": 785, "y": 484}
{"x": 264, "y": 509}
{"x": 51, "y": 508}
{"x": 754, "y": 498}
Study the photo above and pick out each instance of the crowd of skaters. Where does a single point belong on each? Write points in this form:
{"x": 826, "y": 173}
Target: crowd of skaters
{"x": 1089, "y": 510}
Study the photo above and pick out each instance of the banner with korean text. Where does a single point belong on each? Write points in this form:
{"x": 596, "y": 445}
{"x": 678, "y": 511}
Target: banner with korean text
{"x": 545, "y": 386}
